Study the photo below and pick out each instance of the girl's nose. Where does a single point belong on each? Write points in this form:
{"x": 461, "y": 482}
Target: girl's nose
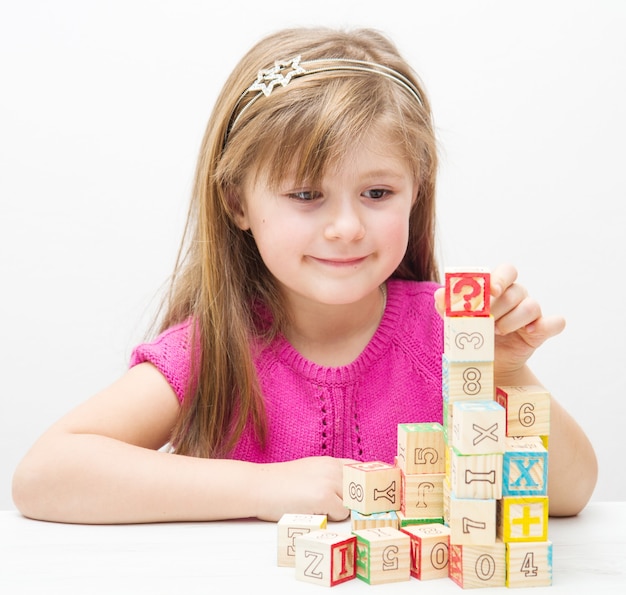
{"x": 345, "y": 222}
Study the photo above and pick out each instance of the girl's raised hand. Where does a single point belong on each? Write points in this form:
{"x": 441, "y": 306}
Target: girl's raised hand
{"x": 520, "y": 326}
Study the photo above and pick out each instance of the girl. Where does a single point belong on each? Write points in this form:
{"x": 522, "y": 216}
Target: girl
{"x": 302, "y": 323}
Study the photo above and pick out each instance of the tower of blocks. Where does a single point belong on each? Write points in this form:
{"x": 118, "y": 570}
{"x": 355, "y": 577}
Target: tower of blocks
{"x": 495, "y": 494}
{"x": 465, "y": 499}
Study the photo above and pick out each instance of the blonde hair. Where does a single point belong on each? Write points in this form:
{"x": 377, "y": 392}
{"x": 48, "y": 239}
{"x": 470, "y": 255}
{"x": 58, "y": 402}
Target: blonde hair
{"x": 220, "y": 277}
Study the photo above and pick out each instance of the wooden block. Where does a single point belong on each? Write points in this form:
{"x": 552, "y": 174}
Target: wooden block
{"x": 527, "y": 410}
{"x": 371, "y": 521}
{"x": 383, "y": 555}
{"x": 420, "y": 448}
{"x": 469, "y": 338}
{"x": 479, "y": 427}
{"x": 522, "y": 518}
{"x": 525, "y": 467}
{"x": 291, "y": 526}
{"x": 529, "y": 564}
{"x": 325, "y": 558}
{"x": 467, "y": 381}
{"x": 472, "y": 521}
{"x": 467, "y": 291}
{"x": 429, "y": 549}
{"x": 422, "y": 495}
{"x": 372, "y": 487}
{"x": 476, "y": 566}
{"x": 476, "y": 476}
{"x": 405, "y": 521}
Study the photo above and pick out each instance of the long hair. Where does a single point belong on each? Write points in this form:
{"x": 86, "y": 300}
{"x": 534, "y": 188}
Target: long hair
{"x": 220, "y": 278}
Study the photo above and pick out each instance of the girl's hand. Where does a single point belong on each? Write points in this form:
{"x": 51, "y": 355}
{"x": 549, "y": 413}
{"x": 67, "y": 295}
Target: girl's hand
{"x": 520, "y": 326}
{"x": 313, "y": 485}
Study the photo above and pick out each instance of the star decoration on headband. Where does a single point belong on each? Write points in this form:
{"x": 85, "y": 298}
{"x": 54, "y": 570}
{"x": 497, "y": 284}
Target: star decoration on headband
{"x": 280, "y": 74}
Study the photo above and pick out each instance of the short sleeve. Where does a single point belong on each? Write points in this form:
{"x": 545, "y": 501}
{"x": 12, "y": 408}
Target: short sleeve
{"x": 170, "y": 353}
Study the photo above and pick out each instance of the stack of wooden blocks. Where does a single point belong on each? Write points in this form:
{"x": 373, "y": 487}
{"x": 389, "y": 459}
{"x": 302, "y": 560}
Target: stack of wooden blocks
{"x": 466, "y": 499}
{"x": 495, "y": 497}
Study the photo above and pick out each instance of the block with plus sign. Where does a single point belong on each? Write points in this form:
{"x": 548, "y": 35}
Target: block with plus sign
{"x": 372, "y": 486}
{"x": 522, "y": 518}
{"x": 525, "y": 467}
{"x": 325, "y": 557}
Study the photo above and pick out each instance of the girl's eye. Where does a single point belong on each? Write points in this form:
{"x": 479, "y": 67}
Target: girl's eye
{"x": 304, "y": 195}
{"x": 377, "y": 193}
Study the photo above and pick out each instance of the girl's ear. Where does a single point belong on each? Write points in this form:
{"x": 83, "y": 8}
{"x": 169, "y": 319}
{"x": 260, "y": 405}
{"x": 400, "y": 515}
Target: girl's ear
{"x": 238, "y": 209}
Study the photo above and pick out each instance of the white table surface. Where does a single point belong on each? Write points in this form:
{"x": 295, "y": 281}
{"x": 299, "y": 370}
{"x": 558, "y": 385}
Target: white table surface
{"x": 211, "y": 558}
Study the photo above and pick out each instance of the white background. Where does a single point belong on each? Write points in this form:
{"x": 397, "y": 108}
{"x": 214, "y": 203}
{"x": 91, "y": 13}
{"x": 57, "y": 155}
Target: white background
{"x": 102, "y": 108}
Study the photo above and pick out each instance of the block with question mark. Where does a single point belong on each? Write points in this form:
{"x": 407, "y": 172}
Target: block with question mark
{"x": 467, "y": 291}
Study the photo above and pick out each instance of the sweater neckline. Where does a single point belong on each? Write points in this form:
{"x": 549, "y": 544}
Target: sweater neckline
{"x": 371, "y": 353}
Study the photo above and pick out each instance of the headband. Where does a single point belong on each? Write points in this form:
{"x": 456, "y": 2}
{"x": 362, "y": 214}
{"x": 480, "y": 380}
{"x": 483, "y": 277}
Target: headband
{"x": 284, "y": 71}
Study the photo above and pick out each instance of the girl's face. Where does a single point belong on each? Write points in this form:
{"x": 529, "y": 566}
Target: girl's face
{"x": 334, "y": 242}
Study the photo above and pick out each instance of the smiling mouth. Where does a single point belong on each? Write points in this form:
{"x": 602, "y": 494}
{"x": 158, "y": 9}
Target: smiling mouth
{"x": 341, "y": 262}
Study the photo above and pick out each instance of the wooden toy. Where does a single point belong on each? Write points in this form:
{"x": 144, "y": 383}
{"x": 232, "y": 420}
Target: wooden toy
{"x": 472, "y": 521}
{"x": 325, "y": 558}
{"x": 467, "y": 292}
{"x": 430, "y": 544}
{"x": 529, "y": 564}
{"x": 522, "y": 518}
{"x": 478, "y": 566}
{"x": 525, "y": 467}
{"x": 476, "y": 476}
{"x": 478, "y": 427}
{"x": 371, "y": 521}
{"x": 405, "y": 521}
{"x": 372, "y": 487}
{"x": 527, "y": 410}
{"x": 383, "y": 555}
{"x": 467, "y": 381}
{"x": 469, "y": 338}
{"x": 422, "y": 495}
{"x": 420, "y": 448}
{"x": 291, "y": 526}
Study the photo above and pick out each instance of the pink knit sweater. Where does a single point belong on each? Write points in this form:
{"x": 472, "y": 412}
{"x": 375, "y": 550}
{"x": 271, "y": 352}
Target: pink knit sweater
{"x": 350, "y": 411}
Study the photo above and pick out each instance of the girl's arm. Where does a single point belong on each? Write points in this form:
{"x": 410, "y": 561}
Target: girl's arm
{"x": 101, "y": 464}
{"x": 520, "y": 329}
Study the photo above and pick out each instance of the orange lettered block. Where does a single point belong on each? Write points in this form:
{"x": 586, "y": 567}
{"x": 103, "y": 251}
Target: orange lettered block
{"x": 430, "y": 545}
{"x": 325, "y": 558}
